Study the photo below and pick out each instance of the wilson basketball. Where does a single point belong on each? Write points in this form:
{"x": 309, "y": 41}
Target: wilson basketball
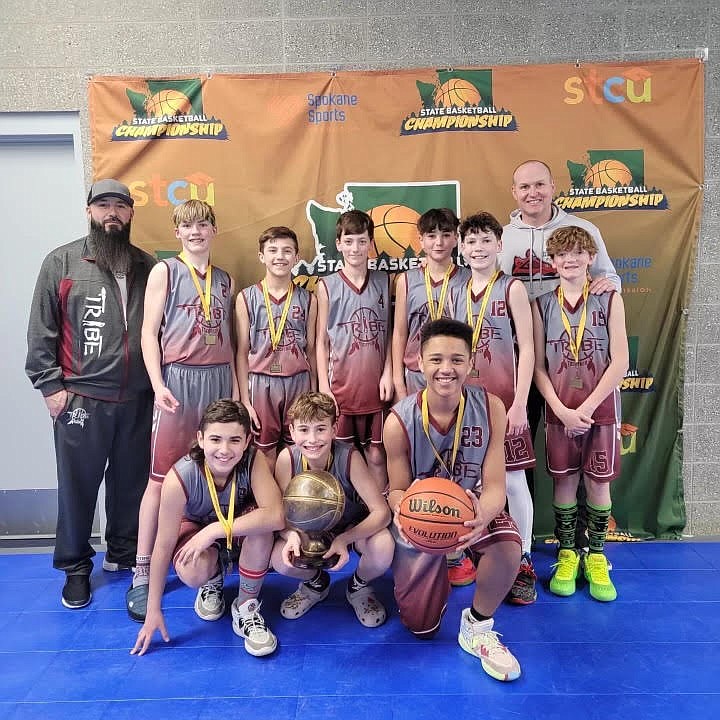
{"x": 395, "y": 231}
{"x": 314, "y": 501}
{"x": 167, "y": 102}
{"x": 608, "y": 173}
{"x": 457, "y": 92}
{"x": 432, "y": 513}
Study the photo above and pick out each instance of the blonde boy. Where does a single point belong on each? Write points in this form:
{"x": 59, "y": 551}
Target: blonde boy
{"x": 188, "y": 352}
{"x": 581, "y": 355}
{"x": 363, "y": 526}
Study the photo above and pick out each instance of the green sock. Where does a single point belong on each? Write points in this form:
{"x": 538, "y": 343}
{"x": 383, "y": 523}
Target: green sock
{"x": 565, "y": 521}
{"x": 597, "y": 521}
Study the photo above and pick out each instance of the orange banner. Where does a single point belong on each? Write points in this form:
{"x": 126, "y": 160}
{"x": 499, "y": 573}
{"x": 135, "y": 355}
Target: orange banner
{"x": 624, "y": 140}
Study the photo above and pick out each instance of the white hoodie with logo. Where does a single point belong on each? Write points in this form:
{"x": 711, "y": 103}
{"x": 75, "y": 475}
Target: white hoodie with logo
{"x": 524, "y": 255}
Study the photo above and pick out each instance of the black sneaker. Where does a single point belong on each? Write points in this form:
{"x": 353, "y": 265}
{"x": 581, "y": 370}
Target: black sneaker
{"x": 76, "y": 591}
{"x": 523, "y": 591}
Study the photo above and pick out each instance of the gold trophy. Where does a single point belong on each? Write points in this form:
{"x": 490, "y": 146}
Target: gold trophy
{"x": 314, "y": 503}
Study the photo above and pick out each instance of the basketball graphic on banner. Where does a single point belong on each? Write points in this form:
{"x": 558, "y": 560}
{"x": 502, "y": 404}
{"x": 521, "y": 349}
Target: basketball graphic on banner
{"x": 457, "y": 92}
{"x": 608, "y": 173}
{"x": 167, "y": 102}
{"x": 395, "y": 230}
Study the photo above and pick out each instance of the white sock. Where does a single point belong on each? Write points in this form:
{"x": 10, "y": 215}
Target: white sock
{"x": 520, "y": 505}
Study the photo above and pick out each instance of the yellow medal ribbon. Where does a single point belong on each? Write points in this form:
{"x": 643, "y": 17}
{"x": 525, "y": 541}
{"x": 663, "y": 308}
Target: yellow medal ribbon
{"x": 576, "y": 342}
{"x": 458, "y": 430}
{"x": 276, "y": 332}
{"x": 305, "y": 466}
{"x": 477, "y": 326}
{"x": 435, "y": 314}
{"x": 225, "y": 522}
{"x": 204, "y": 297}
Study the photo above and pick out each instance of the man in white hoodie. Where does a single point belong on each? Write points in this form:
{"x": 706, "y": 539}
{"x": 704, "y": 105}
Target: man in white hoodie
{"x": 524, "y": 255}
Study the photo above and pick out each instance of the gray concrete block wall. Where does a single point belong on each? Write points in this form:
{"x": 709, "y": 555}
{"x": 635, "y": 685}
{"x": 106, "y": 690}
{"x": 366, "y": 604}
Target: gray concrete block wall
{"x": 48, "y": 48}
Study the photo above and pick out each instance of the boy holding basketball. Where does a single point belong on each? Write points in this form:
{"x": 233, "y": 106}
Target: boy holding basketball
{"x": 189, "y": 355}
{"x": 276, "y": 341}
{"x": 217, "y": 500}
{"x": 422, "y": 294}
{"x": 363, "y": 526}
{"x": 450, "y": 431}
{"x": 581, "y": 355}
{"x": 353, "y": 341}
{"x": 496, "y": 307}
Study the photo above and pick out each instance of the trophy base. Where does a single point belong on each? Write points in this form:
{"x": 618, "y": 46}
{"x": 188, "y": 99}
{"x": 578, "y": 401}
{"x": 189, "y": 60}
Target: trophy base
{"x": 314, "y": 562}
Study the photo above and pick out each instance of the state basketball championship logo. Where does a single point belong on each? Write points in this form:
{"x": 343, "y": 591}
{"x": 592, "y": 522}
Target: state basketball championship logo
{"x": 610, "y": 180}
{"x": 168, "y": 109}
{"x": 457, "y": 100}
{"x": 636, "y": 381}
{"x": 395, "y": 209}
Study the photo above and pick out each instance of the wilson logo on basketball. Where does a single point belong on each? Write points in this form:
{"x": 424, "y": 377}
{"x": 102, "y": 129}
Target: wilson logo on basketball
{"x": 432, "y": 507}
{"x": 168, "y": 109}
{"x": 457, "y": 100}
{"x": 610, "y": 180}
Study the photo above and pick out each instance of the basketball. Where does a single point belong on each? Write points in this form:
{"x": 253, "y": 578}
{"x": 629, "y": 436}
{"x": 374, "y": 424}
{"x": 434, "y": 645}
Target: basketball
{"x": 167, "y": 102}
{"x": 395, "y": 231}
{"x": 608, "y": 173}
{"x": 457, "y": 92}
{"x": 432, "y": 513}
{"x": 314, "y": 501}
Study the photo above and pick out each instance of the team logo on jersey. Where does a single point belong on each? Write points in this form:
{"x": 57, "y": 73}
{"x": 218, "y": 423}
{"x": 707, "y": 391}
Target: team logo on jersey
{"x": 457, "y": 100}
{"x": 610, "y": 180}
{"x": 465, "y": 473}
{"x": 588, "y": 347}
{"x": 636, "y": 381}
{"x": 288, "y": 339}
{"x": 366, "y": 328}
{"x": 168, "y": 109}
{"x": 395, "y": 209}
{"x": 77, "y": 416}
{"x": 203, "y": 325}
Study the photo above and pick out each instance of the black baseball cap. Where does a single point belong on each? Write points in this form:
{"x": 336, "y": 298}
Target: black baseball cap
{"x": 109, "y": 188}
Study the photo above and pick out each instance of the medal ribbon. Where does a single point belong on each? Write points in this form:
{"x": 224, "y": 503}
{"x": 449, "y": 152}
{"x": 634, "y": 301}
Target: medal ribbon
{"x": 225, "y": 522}
{"x": 204, "y": 297}
{"x": 276, "y": 332}
{"x": 477, "y": 326}
{"x": 305, "y": 466}
{"x": 458, "y": 429}
{"x": 577, "y": 342}
{"x": 435, "y": 314}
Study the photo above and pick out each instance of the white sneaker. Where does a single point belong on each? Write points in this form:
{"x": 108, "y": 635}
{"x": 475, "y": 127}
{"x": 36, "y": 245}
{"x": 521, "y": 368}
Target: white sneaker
{"x": 302, "y": 600}
{"x": 209, "y": 602}
{"x": 250, "y": 625}
{"x": 478, "y": 638}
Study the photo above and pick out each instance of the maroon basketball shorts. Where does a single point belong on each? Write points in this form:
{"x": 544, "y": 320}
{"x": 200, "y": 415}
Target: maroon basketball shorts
{"x": 271, "y": 397}
{"x": 194, "y": 387}
{"x": 421, "y": 580}
{"x": 364, "y": 429}
{"x": 596, "y": 453}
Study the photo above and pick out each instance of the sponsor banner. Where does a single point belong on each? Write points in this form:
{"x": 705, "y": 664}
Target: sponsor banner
{"x": 299, "y": 149}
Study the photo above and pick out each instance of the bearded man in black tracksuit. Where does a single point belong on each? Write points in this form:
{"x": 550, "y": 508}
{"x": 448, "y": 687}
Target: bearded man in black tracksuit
{"x": 84, "y": 356}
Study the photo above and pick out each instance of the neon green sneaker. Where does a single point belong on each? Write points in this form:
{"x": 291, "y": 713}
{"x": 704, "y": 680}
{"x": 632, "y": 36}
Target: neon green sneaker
{"x": 596, "y": 573}
{"x": 566, "y": 571}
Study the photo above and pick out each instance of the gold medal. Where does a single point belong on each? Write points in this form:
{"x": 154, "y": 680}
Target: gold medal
{"x": 474, "y": 373}
{"x": 437, "y": 312}
{"x": 477, "y": 325}
{"x": 574, "y": 343}
{"x": 576, "y": 383}
{"x": 276, "y": 331}
{"x": 275, "y": 367}
{"x": 205, "y": 296}
{"x": 210, "y": 339}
